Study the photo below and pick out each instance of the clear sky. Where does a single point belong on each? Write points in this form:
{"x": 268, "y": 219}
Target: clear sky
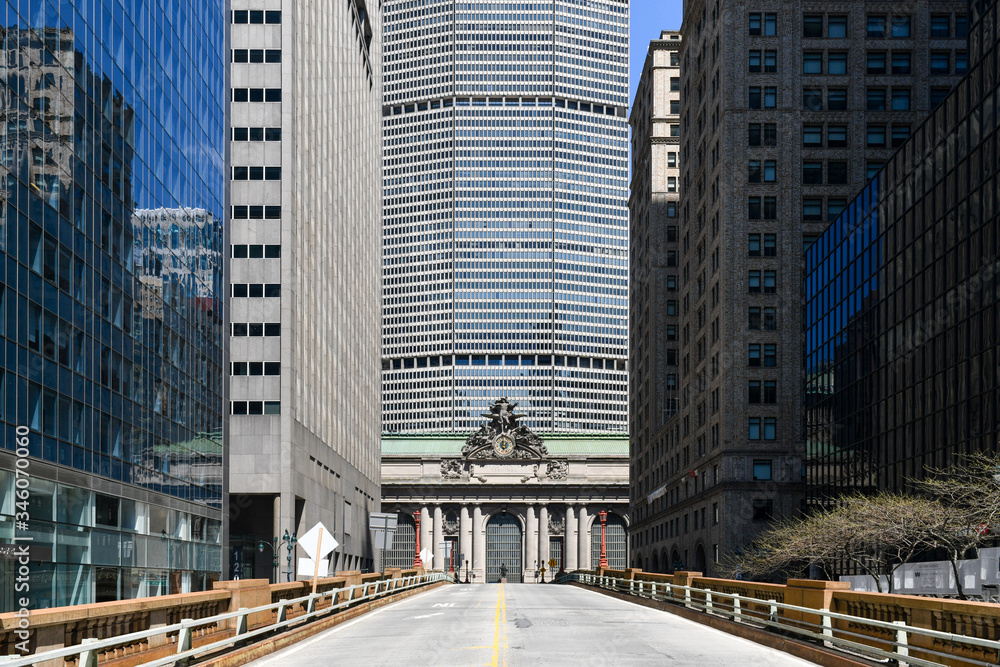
{"x": 649, "y": 17}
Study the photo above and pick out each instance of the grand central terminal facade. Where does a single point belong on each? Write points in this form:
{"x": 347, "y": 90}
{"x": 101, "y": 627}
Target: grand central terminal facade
{"x": 507, "y": 500}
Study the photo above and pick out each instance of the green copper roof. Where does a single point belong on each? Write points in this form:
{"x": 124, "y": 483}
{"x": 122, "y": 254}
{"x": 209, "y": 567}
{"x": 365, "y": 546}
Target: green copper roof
{"x": 561, "y": 444}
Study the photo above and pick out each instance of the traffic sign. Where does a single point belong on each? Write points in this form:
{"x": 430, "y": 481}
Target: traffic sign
{"x": 310, "y": 542}
{"x": 382, "y": 521}
{"x": 553, "y": 562}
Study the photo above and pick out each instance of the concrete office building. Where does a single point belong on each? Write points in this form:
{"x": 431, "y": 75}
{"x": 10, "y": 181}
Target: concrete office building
{"x": 306, "y": 155}
{"x": 902, "y": 300}
{"x": 787, "y": 109}
{"x": 504, "y": 214}
{"x": 653, "y": 261}
{"x": 112, "y": 309}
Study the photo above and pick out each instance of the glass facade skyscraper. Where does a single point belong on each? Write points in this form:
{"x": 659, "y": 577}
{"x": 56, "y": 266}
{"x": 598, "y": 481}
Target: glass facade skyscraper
{"x": 505, "y": 226}
{"x": 112, "y": 238}
{"x": 902, "y": 300}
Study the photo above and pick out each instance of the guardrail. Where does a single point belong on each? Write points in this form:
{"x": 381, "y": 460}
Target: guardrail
{"x": 86, "y": 653}
{"x": 833, "y": 630}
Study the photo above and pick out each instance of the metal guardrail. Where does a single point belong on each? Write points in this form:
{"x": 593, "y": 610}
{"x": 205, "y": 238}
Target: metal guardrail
{"x": 737, "y": 609}
{"x": 88, "y": 651}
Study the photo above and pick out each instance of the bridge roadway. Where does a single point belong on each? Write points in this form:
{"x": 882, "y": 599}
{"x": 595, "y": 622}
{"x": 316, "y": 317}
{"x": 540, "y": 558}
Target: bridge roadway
{"x": 523, "y": 624}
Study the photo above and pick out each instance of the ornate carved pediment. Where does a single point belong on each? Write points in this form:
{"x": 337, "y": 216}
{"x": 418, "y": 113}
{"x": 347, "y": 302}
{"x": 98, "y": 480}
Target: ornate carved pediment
{"x": 502, "y": 437}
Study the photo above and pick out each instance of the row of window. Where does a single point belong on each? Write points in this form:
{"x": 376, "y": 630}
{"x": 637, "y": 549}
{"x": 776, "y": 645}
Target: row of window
{"x": 836, "y": 26}
{"x": 256, "y": 213}
{"x": 256, "y": 94}
{"x": 256, "y": 173}
{"x": 256, "y": 55}
{"x": 835, "y": 63}
{"x": 876, "y": 99}
{"x": 836, "y": 172}
{"x": 256, "y": 251}
{"x": 256, "y": 134}
{"x": 762, "y": 428}
{"x": 256, "y": 329}
{"x": 253, "y": 290}
{"x": 762, "y": 281}
{"x": 762, "y": 318}
{"x": 256, "y": 407}
{"x": 765, "y": 355}
{"x": 762, "y": 392}
{"x": 256, "y": 16}
{"x": 256, "y": 368}
{"x": 762, "y": 245}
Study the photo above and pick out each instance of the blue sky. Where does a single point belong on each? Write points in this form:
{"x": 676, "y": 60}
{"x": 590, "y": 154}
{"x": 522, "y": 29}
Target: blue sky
{"x": 649, "y": 17}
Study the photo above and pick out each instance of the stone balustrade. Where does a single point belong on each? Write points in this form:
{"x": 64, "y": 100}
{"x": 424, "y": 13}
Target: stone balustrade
{"x": 960, "y": 617}
{"x": 69, "y": 626}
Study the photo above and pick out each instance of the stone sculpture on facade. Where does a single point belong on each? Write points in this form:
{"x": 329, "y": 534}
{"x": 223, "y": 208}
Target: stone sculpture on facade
{"x": 557, "y": 470}
{"x": 503, "y": 437}
{"x": 451, "y": 469}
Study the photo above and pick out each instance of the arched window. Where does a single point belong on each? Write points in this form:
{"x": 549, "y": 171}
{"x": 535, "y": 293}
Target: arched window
{"x": 403, "y": 543}
{"x": 616, "y": 542}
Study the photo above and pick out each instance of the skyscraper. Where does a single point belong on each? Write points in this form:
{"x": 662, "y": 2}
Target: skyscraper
{"x": 306, "y": 94}
{"x": 787, "y": 108}
{"x": 902, "y": 300}
{"x": 504, "y": 219}
{"x": 654, "y": 279}
{"x": 112, "y": 311}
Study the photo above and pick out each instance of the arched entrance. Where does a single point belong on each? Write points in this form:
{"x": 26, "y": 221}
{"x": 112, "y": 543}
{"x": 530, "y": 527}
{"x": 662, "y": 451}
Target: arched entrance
{"x": 616, "y": 542}
{"x": 699, "y": 559}
{"x": 503, "y": 548}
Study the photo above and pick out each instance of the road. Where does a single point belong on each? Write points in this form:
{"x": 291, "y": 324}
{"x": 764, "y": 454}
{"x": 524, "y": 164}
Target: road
{"x": 523, "y": 624}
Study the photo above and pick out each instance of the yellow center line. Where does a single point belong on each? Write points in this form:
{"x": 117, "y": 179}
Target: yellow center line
{"x": 504, "y": 653}
{"x": 501, "y": 611}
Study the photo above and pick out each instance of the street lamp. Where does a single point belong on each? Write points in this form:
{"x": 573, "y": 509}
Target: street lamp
{"x": 290, "y": 545}
{"x": 417, "y": 562}
{"x": 274, "y": 555}
{"x": 604, "y": 552}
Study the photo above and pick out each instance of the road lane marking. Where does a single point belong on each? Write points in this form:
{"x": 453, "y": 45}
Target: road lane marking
{"x": 496, "y": 628}
{"x": 429, "y": 615}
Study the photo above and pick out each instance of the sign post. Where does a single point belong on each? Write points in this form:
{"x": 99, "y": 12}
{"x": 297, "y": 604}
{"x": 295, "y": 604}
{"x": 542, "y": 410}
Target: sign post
{"x": 384, "y": 525}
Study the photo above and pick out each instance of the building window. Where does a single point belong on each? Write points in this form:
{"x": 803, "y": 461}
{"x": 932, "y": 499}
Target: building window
{"x": 874, "y": 167}
{"x": 675, "y": 83}
{"x": 763, "y": 509}
{"x": 900, "y": 62}
{"x": 770, "y": 319}
{"x": 770, "y": 61}
{"x": 836, "y": 136}
{"x": 836, "y": 63}
{"x": 812, "y": 62}
{"x": 938, "y": 96}
{"x": 836, "y": 173}
{"x": 770, "y": 25}
{"x": 961, "y": 63}
{"x": 812, "y": 99}
{"x": 755, "y": 27}
{"x": 812, "y": 25}
{"x": 812, "y": 136}
{"x": 836, "y": 99}
{"x": 834, "y": 207}
{"x": 836, "y": 27}
{"x": 812, "y": 173}
{"x": 753, "y": 318}
{"x": 876, "y": 136}
{"x": 770, "y": 134}
{"x": 876, "y": 99}
{"x": 940, "y": 26}
{"x": 753, "y": 428}
{"x": 753, "y": 355}
{"x": 770, "y": 245}
{"x": 770, "y": 97}
{"x": 753, "y": 245}
{"x": 753, "y": 281}
{"x": 900, "y": 27}
{"x": 940, "y": 62}
{"x": 754, "y": 392}
{"x": 900, "y": 99}
{"x": 770, "y": 208}
{"x": 812, "y": 210}
{"x": 770, "y": 282}
{"x": 876, "y": 27}
{"x": 753, "y": 169}
{"x": 876, "y": 62}
{"x": 754, "y": 101}
{"x": 961, "y": 27}
{"x": 762, "y": 469}
{"x": 753, "y": 134}
{"x": 770, "y": 356}
{"x": 753, "y": 208}
{"x": 755, "y": 61}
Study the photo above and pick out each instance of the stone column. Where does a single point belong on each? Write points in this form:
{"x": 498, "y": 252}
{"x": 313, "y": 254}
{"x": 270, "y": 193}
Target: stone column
{"x": 569, "y": 545}
{"x": 478, "y": 545}
{"x": 426, "y": 541}
{"x": 583, "y": 539}
{"x": 530, "y": 542}
{"x": 543, "y": 539}
{"x": 440, "y": 562}
{"x": 464, "y": 541}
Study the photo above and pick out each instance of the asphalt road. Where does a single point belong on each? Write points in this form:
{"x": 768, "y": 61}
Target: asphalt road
{"x": 523, "y": 624}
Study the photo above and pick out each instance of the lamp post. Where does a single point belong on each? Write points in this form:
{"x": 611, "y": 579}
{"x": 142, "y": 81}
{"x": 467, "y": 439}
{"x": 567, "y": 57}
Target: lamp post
{"x": 604, "y": 552}
{"x": 290, "y": 545}
{"x": 274, "y": 555}
{"x": 417, "y": 562}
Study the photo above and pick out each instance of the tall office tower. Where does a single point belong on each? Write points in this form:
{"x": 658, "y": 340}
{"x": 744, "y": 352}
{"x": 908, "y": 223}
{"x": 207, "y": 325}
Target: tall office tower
{"x": 653, "y": 282}
{"x": 787, "y": 108}
{"x": 504, "y": 218}
{"x": 306, "y": 152}
{"x": 902, "y": 300}
{"x": 112, "y": 311}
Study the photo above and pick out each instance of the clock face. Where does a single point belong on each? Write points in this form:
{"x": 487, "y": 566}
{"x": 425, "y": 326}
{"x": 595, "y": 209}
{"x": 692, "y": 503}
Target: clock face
{"x": 503, "y": 445}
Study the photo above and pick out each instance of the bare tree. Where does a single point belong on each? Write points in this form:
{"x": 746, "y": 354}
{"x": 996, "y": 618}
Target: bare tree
{"x": 875, "y": 533}
{"x": 969, "y": 494}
